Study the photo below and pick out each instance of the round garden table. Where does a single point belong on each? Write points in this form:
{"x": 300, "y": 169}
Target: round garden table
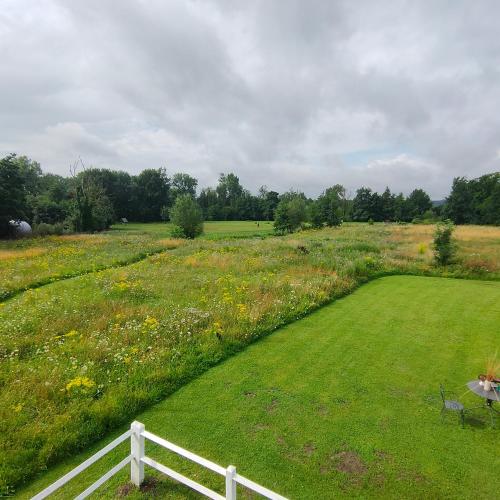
{"x": 491, "y": 396}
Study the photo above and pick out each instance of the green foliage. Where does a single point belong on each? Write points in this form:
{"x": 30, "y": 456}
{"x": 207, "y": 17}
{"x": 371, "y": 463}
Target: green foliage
{"x": 12, "y": 193}
{"x": 314, "y": 215}
{"x": 330, "y": 204}
{"x": 418, "y": 203}
{"x": 444, "y": 246}
{"x": 183, "y": 184}
{"x": 92, "y": 210}
{"x": 290, "y": 213}
{"x": 388, "y": 207}
{"x": 476, "y": 201}
{"x": 44, "y": 229}
{"x": 187, "y": 216}
{"x": 150, "y": 194}
{"x": 362, "y": 209}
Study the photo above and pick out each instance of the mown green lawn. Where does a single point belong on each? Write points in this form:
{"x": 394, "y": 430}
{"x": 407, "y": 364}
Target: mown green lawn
{"x": 343, "y": 403}
{"x": 211, "y": 229}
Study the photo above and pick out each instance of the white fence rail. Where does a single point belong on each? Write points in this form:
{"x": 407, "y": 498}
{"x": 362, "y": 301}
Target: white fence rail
{"x": 137, "y": 459}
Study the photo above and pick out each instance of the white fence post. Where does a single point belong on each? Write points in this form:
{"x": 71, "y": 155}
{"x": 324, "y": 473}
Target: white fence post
{"x": 230, "y": 483}
{"x": 137, "y": 453}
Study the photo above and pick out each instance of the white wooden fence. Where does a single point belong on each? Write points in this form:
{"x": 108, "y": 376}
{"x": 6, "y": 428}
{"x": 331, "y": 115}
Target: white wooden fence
{"x": 137, "y": 459}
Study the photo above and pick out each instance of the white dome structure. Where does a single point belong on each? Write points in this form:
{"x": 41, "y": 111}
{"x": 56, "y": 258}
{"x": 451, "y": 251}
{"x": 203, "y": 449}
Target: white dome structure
{"x": 20, "y": 228}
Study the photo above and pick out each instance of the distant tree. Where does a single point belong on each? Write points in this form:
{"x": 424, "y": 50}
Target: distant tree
{"x": 13, "y": 203}
{"x": 187, "y": 215}
{"x": 459, "y": 203}
{"x": 388, "y": 205}
{"x": 229, "y": 193}
{"x": 475, "y": 201}
{"x": 362, "y": 209}
{"x": 330, "y": 205}
{"x": 31, "y": 173}
{"x": 268, "y": 201}
{"x": 314, "y": 215}
{"x": 117, "y": 187}
{"x": 418, "y": 203}
{"x": 401, "y": 212}
{"x": 92, "y": 209}
{"x": 150, "y": 194}
{"x": 290, "y": 212}
{"x": 489, "y": 207}
{"x": 376, "y": 208}
{"x": 208, "y": 201}
{"x": 183, "y": 184}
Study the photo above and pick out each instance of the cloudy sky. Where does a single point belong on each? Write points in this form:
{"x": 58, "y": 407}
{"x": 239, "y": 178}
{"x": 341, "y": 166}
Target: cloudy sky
{"x": 290, "y": 94}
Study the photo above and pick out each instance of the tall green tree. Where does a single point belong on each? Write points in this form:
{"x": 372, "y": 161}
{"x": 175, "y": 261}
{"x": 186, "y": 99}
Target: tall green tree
{"x": 13, "y": 203}
{"x": 209, "y": 204}
{"x": 150, "y": 194}
{"x": 92, "y": 209}
{"x": 475, "y": 201}
{"x": 290, "y": 213}
{"x": 362, "y": 209}
{"x": 330, "y": 205}
{"x": 388, "y": 205}
{"x": 268, "y": 201}
{"x": 418, "y": 203}
{"x": 183, "y": 184}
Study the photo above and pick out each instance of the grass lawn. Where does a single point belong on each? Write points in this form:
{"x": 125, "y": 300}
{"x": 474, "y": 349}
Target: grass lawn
{"x": 343, "y": 403}
{"x": 212, "y": 229}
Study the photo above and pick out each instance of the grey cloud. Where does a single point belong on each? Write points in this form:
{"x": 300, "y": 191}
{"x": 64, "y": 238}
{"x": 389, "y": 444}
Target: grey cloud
{"x": 283, "y": 93}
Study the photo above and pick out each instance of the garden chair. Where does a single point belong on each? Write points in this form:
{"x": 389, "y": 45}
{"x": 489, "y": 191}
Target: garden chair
{"x": 450, "y": 405}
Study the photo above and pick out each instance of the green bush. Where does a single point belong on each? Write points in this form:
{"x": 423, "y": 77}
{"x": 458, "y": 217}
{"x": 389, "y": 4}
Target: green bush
{"x": 44, "y": 229}
{"x": 187, "y": 216}
{"x": 444, "y": 245}
{"x": 177, "y": 232}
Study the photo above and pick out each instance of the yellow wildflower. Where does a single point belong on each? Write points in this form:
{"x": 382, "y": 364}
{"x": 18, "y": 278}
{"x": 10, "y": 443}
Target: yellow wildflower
{"x": 151, "y": 322}
{"x": 122, "y": 285}
{"x": 80, "y": 382}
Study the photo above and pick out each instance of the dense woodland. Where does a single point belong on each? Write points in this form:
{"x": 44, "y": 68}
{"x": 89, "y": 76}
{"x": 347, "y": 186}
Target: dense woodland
{"x": 92, "y": 199}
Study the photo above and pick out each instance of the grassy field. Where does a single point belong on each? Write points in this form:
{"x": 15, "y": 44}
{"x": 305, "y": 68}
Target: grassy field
{"x": 80, "y": 356}
{"x": 343, "y": 403}
{"x": 211, "y": 229}
{"x": 29, "y": 263}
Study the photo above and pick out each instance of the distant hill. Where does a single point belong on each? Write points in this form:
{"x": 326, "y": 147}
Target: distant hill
{"x": 438, "y": 203}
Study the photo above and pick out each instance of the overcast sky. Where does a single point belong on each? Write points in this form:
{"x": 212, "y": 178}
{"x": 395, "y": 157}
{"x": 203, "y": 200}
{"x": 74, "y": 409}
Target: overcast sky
{"x": 290, "y": 94}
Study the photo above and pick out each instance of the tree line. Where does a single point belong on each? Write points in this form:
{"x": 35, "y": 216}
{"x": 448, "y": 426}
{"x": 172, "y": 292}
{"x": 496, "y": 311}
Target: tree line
{"x": 91, "y": 199}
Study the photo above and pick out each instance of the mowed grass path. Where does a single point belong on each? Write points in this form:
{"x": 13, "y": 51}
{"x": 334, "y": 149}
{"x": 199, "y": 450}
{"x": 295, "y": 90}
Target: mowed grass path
{"x": 343, "y": 403}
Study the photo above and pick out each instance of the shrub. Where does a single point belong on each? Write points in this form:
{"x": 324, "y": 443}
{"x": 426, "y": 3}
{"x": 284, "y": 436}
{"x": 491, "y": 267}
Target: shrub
{"x": 177, "y": 232}
{"x": 422, "y": 248}
{"x": 444, "y": 245}
{"x": 186, "y": 214}
{"x": 44, "y": 229}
